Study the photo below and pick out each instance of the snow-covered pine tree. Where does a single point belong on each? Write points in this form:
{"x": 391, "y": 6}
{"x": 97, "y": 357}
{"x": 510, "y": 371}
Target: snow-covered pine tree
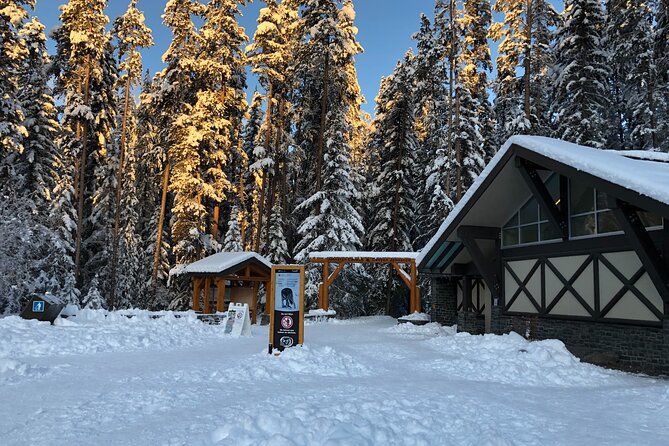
{"x": 252, "y": 179}
{"x": 633, "y": 82}
{"x": 131, "y": 33}
{"x": 476, "y": 63}
{"x": 325, "y": 53}
{"x": 393, "y": 198}
{"x": 662, "y": 63}
{"x": 81, "y": 43}
{"x": 270, "y": 55}
{"x": 103, "y": 156}
{"x": 277, "y": 250}
{"x": 432, "y": 123}
{"x": 581, "y": 100}
{"x": 43, "y": 174}
{"x": 233, "y": 237}
{"x": 14, "y": 51}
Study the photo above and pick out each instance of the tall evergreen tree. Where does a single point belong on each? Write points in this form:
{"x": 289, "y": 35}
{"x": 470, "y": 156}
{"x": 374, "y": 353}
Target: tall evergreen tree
{"x": 581, "y": 98}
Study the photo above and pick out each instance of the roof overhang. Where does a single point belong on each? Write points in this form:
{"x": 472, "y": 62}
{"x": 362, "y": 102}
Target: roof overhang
{"x": 500, "y": 190}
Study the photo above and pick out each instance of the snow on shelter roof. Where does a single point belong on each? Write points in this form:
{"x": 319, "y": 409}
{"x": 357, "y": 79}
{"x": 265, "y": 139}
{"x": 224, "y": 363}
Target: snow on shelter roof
{"x": 218, "y": 263}
{"x": 362, "y": 255}
{"x": 638, "y": 174}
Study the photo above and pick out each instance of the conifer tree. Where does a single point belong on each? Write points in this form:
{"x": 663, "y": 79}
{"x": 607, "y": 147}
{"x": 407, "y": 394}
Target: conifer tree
{"x": 580, "y": 75}
{"x": 662, "y": 62}
{"x": 233, "y": 237}
{"x": 278, "y": 248}
{"x": 633, "y": 81}
{"x": 131, "y": 34}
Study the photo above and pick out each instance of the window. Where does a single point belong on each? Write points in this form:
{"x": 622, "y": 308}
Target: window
{"x": 589, "y": 215}
{"x": 530, "y": 224}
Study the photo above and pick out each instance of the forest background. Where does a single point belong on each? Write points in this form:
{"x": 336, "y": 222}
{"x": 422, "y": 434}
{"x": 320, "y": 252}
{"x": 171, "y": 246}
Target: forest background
{"x": 111, "y": 176}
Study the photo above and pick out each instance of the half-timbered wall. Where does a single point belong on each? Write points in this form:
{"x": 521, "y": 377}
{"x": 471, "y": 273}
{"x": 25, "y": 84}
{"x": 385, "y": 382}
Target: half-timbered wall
{"x": 481, "y": 296}
{"x": 610, "y": 286}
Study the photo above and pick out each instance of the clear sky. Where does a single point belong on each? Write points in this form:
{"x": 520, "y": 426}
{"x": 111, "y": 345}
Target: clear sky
{"x": 385, "y": 33}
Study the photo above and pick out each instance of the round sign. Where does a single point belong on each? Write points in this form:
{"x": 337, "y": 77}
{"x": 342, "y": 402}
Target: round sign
{"x": 286, "y": 341}
{"x": 286, "y": 322}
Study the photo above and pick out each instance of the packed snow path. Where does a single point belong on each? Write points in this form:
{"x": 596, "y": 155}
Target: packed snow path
{"x": 169, "y": 381}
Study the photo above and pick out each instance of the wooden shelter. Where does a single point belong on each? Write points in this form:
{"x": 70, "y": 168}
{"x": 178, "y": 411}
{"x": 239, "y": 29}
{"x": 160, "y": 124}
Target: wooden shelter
{"x": 243, "y": 272}
{"x": 341, "y": 258}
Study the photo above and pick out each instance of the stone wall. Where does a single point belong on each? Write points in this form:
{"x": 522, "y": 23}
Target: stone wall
{"x": 471, "y": 322}
{"x": 626, "y": 347}
{"x": 445, "y": 301}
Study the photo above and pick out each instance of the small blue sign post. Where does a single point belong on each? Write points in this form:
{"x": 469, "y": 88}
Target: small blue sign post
{"x": 38, "y": 306}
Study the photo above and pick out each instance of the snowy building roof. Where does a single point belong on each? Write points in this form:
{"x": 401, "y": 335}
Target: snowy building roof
{"x": 222, "y": 263}
{"x": 362, "y": 255}
{"x": 643, "y": 176}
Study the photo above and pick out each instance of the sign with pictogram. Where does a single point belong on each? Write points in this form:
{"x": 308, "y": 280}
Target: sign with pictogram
{"x": 286, "y": 305}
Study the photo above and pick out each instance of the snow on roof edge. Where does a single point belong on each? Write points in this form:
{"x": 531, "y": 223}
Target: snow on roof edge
{"x": 218, "y": 262}
{"x": 597, "y": 162}
{"x": 363, "y": 254}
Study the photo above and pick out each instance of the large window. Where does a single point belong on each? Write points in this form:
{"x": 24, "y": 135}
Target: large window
{"x": 589, "y": 215}
{"x": 530, "y": 224}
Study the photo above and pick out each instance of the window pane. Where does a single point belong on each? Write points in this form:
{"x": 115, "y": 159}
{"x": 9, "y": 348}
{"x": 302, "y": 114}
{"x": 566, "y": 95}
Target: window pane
{"x": 602, "y": 201}
{"x": 529, "y": 212}
{"x": 548, "y": 233}
{"x": 606, "y": 222}
{"x": 583, "y": 225}
{"x": 581, "y": 198}
{"x": 650, "y": 220}
{"x": 510, "y": 237}
{"x": 529, "y": 234}
{"x": 553, "y": 186}
{"x": 513, "y": 221}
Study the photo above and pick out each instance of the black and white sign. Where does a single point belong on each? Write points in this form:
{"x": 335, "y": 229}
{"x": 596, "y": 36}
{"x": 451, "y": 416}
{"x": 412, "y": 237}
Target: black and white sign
{"x": 288, "y": 307}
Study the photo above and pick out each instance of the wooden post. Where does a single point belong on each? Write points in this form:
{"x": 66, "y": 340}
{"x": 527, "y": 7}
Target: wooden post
{"x": 207, "y": 291}
{"x": 220, "y": 295}
{"x": 325, "y": 304}
{"x": 254, "y": 315}
{"x": 196, "y": 294}
{"x": 466, "y": 294}
{"x": 415, "y": 302}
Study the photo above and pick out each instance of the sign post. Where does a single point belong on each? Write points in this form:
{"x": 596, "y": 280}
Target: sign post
{"x": 286, "y": 304}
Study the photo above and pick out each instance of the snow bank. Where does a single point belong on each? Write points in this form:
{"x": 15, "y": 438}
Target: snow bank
{"x": 511, "y": 359}
{"x": 95, "y": 331}
{"x": 416, "y": 331}
{"x": 11, "y": 370}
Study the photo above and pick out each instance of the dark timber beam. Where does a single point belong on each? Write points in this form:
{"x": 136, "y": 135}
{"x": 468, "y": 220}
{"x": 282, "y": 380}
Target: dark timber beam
{"x": 650, "y": 257}
{"x": 534, "y": 182}
{"x": 486, "y": 267}
{"x": 464, "y": 269}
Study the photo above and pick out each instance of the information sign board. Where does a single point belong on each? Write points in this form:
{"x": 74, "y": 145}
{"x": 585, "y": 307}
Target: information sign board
{"x": 286, "y": 306}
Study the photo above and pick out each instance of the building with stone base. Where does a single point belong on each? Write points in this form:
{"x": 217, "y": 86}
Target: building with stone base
{"x": 556, "y": 240}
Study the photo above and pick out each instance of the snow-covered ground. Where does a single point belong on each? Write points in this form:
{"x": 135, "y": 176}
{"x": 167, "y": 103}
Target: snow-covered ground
{"x": 368, "y": 381}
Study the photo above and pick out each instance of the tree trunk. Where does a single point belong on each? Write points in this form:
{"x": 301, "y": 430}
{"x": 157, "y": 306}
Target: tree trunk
{"x": 458, "y": 147}
{"x": 263, "y": 175}
{"x": 528, "y": 53}
{"x": 161, "y": 223}
{"x": 321, "y": 130}
{"x": 451, "y": 80}
{"x": 276, "y": 176}
{"x": 82, "y": 133}
{"x": 119, "y": 191}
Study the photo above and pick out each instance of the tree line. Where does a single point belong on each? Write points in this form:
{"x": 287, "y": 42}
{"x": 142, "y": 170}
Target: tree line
{"x": 104, "y": 191}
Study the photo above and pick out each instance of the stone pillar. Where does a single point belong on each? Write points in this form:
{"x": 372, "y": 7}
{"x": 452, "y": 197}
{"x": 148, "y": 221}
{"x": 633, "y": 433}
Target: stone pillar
{"x": 445, "y": 297}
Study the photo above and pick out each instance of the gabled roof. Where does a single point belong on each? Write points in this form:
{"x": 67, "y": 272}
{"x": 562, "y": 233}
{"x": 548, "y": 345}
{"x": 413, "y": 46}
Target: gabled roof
{"x": 223, "y": 263}
{"x": 630, "y": 176}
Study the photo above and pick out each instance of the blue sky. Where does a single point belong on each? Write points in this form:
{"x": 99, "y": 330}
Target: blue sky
{"x": 385, "y": 29}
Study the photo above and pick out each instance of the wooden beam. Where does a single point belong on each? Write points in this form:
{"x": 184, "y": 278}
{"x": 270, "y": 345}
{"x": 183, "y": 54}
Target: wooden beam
{"x": 196, "y": 293}
{"x": 379, "y": 260}
{"x": 207, "y": 292}
{"x": 464, "y": 269}
{"x": 466, "y": 294}
{"x": 335, "y": 273}
{"x": 643, "y": 245}
{"x": 478, "y": 232}
{"x": 220, "y": 295}
{"x": 402, "y": 274}
{"x": 534, "y": 182}
{"x": 485, "y": 267}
